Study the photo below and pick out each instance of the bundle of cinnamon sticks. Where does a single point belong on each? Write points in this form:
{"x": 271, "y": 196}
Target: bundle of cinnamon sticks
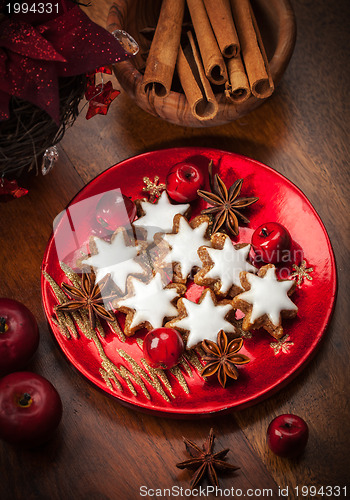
{"x": 222, "y": 50}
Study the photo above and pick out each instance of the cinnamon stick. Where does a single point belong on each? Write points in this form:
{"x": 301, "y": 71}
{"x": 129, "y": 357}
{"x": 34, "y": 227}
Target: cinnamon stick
{"x": 237, "y": 87}
{"x": 252, "y": 49}
{"x": 194, "y": 82}
{"x": 213, "y": 62}
{"x": 162, "y": 56}
{"x": 220, "y": 17}
{"x": 262, "y": 48}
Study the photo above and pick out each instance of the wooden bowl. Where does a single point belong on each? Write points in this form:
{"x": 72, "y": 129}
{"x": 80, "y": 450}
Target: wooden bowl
{"x": 278, "y": 30}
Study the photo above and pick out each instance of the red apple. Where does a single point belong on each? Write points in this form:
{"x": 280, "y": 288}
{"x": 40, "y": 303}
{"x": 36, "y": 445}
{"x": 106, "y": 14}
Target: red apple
{"x": 163, "y": 347}
{"x": 114, "y": 210}
{"x": 183, "y": 181}
{"x": 287, "y": 435}
{"x": 30, "y": 409}
{"x": 271, "y": 243}
{"x": 19, "y": 335}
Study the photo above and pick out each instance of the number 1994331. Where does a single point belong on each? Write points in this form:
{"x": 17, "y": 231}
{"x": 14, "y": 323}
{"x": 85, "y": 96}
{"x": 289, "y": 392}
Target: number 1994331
{"x": 35, "y": 8}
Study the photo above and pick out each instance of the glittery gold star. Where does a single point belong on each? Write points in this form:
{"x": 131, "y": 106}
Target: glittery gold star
{"x": 154, "y": 189}
{"x": 281, "y": 345}
{"x": 301, "y": 272}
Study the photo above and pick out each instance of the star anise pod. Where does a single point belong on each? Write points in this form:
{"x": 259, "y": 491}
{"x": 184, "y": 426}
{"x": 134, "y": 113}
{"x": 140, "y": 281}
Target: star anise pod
{"x": 89, "y": 297}
{"x": 226, "y": 206}
{"x": 205, "y": 462}
{"x": 222, "y": 358}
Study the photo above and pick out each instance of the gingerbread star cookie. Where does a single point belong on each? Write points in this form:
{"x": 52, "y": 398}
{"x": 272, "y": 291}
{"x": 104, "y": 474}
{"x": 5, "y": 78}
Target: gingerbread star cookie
{"x": 222, "y": 265}
{"x": 179, "y": 249}
{"x": 116, "y": 258}
{"x": 265, "y": 300}
{"x": 148, "y": 304}
{"x": 157, "y": 217}
{"x": 203, "y": 320}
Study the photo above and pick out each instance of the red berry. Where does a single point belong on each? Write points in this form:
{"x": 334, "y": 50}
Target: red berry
{"x": 287, "y": 435}
{"x": 163, "y": 347}
{"x": 183, "y": 181}
{"x": 271, "y": 243}
{"x": 114, "y": 210}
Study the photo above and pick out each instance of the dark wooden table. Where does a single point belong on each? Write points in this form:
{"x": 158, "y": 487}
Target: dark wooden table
{"x": 106, "y": 451}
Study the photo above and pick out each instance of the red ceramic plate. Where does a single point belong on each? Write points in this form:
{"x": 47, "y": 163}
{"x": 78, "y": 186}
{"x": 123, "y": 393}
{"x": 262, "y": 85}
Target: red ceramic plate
{"x": 116, "y": 367}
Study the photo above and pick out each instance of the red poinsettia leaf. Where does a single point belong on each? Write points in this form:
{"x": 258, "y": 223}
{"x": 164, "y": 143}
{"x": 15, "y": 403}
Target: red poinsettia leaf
{"x": 85, "y": 45}
{"x": 24, "y": 39}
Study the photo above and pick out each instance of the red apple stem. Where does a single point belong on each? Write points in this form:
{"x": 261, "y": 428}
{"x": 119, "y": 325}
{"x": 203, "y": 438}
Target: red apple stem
{"x": 25, "y": 400}
{"x": 3, "y": 325}
{"x": 264, "y": 232}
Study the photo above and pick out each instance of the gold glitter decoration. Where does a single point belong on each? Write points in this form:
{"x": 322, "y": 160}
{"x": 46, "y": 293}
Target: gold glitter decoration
{"x": 301, "y": 272}
{"x": 85, "y": 318}
{"x": 60, "y": 295}
{"x": 137, "y": 368}
{"x": 193, "y": 358}
{"x": 71, "y": 326}
{"x": 107, "y": 377}
{"x": 109, "y": 370}
{"x": 71, "y": 275}
{"x": 129, "y": 377}
{"x": 157, "y": 372}
{"x": 154, "y": 189}
{"x": 62, "y": 327}
{"x": 180, "y": 378}
{"x": 281, "y": 345}
{"x": 186, "y": 366}
{"x": 116, "y": 329}
{"x": 110, "y": 373}
{"x": 63, "y": 319}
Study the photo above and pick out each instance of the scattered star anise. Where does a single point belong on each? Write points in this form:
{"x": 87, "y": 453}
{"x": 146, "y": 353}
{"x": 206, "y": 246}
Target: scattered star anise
{"x": 205, "y": 462}
{"x": 226, "y": 205}
{"x": 88, "y": 297}
{"x": 222, "y": 358}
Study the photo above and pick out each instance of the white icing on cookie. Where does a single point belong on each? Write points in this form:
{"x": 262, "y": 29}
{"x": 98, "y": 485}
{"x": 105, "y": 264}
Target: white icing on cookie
{"x": 204, "y": 320}
{"x": 151, "y": 301}
{"x": 159, "y": 216}
{"x": 184, "y": 245}
{"x": 228, "y": 263}
{"x": 268, "y": 296}
{"x": 115, "y": 258}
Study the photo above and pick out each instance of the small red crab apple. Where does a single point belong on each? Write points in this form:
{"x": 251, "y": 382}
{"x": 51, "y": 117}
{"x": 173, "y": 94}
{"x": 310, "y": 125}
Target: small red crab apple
{"x": 163, "y": 347}
{"x": 287, "y": 435}
{"x": 271, "y": 243}
{"x": 114, "y": 210}
{"x": 30, "y": 409}
{"x": 19, "y": 335}
{"x": 183, "y": 181}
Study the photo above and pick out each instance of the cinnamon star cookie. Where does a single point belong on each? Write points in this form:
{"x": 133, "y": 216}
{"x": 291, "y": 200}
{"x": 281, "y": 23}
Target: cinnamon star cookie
{"x": 222, "y": 265}
{"x": 265, "y": 300}
{"x": 148, "y": 304}
{"x": 203, "y": 320}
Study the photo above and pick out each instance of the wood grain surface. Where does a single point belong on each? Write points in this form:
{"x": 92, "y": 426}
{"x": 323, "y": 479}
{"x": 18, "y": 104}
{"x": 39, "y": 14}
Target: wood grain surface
{"x": 105, "y": 451}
